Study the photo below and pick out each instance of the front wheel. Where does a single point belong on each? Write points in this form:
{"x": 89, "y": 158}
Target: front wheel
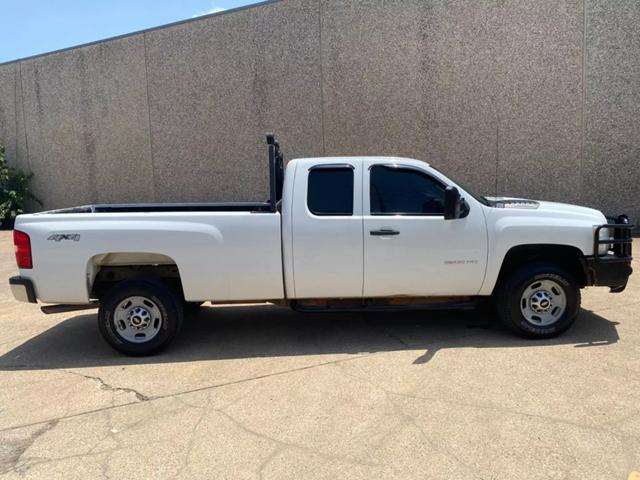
{"x": 539, "y": 300}
{"x": 140, "y": 317}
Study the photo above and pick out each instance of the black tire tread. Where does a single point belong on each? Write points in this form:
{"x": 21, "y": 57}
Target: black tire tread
{"x": 162, "y": 294}
{"x": 509, "y": 289}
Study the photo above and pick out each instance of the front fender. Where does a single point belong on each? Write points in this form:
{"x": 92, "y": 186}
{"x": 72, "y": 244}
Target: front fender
{"x": 513, "y": 231}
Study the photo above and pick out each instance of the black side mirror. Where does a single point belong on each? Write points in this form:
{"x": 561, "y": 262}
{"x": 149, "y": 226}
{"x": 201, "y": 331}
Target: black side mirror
{"x": 454, "y": 206}
{"x": 464, "y": 208}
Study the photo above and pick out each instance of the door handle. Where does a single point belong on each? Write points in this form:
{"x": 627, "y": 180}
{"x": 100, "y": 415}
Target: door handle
{"x": 384, "y": 232}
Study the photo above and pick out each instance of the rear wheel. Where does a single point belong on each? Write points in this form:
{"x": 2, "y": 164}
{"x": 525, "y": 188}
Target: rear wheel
{"x": 140, "y": 317}
{"x": 539, "y": 300}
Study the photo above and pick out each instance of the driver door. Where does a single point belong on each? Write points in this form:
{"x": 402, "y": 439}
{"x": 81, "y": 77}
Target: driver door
{"x": 409, "y": 248}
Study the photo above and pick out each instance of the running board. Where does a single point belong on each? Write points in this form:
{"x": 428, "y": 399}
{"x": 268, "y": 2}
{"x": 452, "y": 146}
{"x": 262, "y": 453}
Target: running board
{"x": 460, "y": 305}
{"x": 51, "y": 309}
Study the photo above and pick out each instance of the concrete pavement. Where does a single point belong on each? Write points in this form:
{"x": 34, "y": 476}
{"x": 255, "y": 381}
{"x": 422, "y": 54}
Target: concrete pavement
{"x": 264, "y": 392}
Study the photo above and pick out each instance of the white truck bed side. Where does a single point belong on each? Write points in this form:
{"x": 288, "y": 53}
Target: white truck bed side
{"x": 221, "y": 256}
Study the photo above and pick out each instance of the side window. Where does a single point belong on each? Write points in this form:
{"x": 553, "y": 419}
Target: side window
{"x": 403, "y": 191}
{"x": 330, "y": 191}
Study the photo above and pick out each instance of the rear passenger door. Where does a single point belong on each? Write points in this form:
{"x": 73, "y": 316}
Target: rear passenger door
{"x": 327, "y": 230}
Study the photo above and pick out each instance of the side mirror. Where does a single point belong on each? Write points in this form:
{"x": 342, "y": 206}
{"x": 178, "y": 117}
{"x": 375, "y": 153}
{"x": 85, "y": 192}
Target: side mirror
{"x": 454, "y": 205}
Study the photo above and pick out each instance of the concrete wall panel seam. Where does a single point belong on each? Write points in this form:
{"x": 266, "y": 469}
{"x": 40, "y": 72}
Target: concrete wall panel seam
{"x": 15, "y": 111}
{"x": 497, "y": 152}
{"x": 584, "y": 96}
{"x": 146, "y": 83}
{"x": 324, "y": 148}
{"x": 24, "y": 119}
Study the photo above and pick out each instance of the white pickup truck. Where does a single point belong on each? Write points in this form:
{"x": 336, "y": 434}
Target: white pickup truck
{"x": 343, "y": 233}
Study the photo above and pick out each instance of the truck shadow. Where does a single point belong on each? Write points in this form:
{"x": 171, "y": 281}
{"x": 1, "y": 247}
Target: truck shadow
{"x": 268, "y": 331}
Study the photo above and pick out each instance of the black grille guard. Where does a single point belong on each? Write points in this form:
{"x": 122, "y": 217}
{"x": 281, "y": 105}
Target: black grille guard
{"x": 620, "y": 245}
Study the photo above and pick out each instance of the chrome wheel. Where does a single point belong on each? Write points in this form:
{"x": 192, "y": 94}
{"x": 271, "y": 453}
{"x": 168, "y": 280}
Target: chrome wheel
{"x": 543, "y": 302}
{"x": 137, "y": 319}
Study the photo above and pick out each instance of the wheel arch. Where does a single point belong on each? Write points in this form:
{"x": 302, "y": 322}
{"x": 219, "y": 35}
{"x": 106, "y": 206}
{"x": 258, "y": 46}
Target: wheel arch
{"x": 568, "y": 257}
{"x": 106, "y": 269}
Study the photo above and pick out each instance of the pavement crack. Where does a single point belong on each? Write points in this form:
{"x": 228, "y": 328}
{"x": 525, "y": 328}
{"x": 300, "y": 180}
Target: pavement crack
{"x": 407, "y": 419}
{"x": 274, "y": 453}
{"x": 23, "y": 467}
{"x": 151, "y": 398}
{"x": 12, "y": 450}
{"x": 285, "y": 444}
{"x": 105, "y": 386}
{"x": 604, "y": 428}
{"x": 189, "y": 447}
{"x": 437, "y": 447}
{"x": 261, "y": 377}
{"x": 511, "y": 411}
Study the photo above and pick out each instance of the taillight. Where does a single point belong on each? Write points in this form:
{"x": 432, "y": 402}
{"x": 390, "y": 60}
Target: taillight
{"x": 22, "y": 245}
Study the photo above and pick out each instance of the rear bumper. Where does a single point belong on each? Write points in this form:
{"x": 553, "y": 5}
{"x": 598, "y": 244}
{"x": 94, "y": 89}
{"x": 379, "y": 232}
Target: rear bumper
{"x": 22, "y": 289}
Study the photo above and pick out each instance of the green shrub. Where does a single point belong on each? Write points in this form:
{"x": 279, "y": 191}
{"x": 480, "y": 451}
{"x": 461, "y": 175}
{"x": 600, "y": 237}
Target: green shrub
{"x": 15, "y": 191}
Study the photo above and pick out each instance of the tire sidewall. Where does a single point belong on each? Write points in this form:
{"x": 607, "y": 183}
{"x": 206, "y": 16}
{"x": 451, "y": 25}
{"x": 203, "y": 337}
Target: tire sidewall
{"x": 573, "y": 304}
{"x": 161, "y": 296}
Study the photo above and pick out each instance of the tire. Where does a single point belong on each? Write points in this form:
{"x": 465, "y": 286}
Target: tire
{"x": 140, "y": 317}
{"x": 539, "y": 300}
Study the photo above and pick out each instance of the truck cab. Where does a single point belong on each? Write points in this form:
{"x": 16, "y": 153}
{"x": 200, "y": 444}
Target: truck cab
{"x": 376, "y": 227}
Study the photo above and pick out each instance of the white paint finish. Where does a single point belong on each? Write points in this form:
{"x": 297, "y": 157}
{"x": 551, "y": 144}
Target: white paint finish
{"x": 287, "y": 229}
{"x": 430, "y": 256}
{"x": 220, "y": 255}
{"x": 229, "y": 256}
{"x": 550, "y": 224}
{"x": 327, "y": 250}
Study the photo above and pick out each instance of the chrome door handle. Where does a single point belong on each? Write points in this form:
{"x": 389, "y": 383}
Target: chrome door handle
{"x": 384, "y": 232}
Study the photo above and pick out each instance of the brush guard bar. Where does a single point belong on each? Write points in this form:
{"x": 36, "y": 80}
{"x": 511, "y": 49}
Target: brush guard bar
{"x": 613, "y": 267}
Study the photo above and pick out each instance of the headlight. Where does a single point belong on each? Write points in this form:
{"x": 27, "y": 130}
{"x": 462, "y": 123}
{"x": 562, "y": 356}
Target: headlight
{"x": 605, "y": 234}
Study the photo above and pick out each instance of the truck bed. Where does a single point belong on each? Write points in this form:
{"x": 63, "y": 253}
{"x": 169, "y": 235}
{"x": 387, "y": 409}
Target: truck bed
{"x": 168, "y": 207}
{"x": 222, "y": 255}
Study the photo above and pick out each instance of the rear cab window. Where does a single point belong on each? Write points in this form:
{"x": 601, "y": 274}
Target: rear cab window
{"x": 330, "y": 190}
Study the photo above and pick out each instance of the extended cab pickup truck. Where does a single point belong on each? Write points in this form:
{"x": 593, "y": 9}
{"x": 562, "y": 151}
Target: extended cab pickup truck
{"x": 343, "y": 233}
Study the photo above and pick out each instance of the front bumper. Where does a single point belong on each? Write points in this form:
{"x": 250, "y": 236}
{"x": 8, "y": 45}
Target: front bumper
{"x": 22, "y": 289}
{"x": 610, "y": 272}
{"x": 613, "y": 268}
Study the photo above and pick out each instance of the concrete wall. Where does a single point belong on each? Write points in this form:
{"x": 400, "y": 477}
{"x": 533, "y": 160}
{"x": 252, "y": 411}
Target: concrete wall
{"x": 537, "y": 98}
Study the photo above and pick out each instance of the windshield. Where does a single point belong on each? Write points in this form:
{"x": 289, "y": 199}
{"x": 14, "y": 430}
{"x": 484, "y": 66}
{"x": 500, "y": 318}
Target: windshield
{"x": 479, "y": 198}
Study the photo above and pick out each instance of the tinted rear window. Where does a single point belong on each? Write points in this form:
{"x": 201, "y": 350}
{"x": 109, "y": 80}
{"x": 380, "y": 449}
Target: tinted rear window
{"x": 330, "y": 191}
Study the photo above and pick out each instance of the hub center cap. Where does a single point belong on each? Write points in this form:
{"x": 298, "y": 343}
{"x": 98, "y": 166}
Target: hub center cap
{"x": 139, "y": 318}
{"x": 540, "y": 301}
